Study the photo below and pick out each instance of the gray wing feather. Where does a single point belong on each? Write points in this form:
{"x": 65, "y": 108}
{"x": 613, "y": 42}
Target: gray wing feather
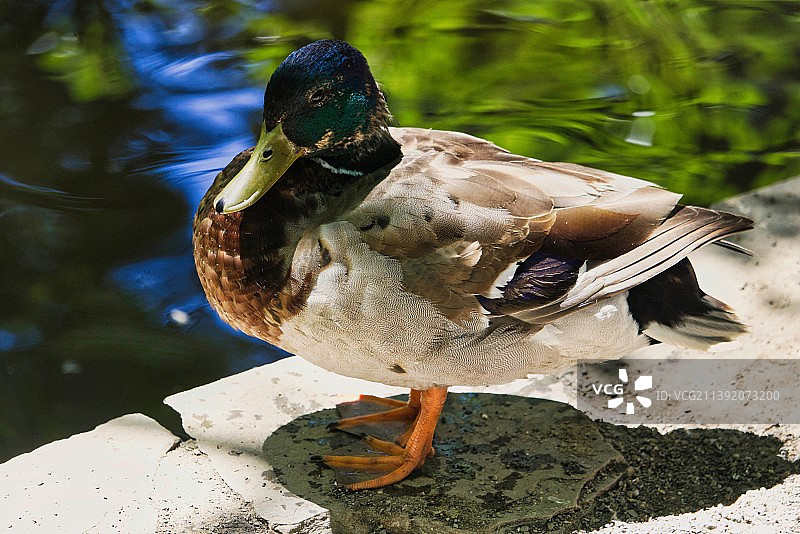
{"x": 459, "y": 212}
{"x": 689, "y": 229}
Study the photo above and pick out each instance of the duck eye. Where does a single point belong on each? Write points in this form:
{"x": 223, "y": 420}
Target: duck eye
{"x": 266, "y": 154}
{"x": 317, "y": 96}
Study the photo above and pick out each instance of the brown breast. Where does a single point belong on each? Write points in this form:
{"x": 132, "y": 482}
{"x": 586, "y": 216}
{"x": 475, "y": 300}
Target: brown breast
{"x": 241, "y": 259}
{"x": 244, "y": 259}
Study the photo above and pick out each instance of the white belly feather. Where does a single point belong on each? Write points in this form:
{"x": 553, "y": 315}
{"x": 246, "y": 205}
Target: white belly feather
{"x": 358, "y": 321}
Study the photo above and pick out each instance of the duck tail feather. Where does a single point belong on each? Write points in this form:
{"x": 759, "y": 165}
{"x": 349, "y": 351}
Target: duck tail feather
{"x": 730, "y": 245}
{"x": 671, "y": 308}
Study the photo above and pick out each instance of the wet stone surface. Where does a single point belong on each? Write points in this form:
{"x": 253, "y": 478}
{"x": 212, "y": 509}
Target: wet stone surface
{"x": 500, "y": 461}
{"x": 515, "y": 464}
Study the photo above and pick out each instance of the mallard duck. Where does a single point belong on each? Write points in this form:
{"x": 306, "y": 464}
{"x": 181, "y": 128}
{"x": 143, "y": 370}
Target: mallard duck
{"x": 427, "y": 259}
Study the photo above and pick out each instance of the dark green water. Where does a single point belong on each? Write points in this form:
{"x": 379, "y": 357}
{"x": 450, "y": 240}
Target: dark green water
{"x": 115, "y": 116}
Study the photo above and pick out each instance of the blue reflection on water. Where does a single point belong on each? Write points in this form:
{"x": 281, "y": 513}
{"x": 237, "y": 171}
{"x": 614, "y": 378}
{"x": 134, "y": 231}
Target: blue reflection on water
{"x": 20, "y": 340}
{"x": 149, "y": 278}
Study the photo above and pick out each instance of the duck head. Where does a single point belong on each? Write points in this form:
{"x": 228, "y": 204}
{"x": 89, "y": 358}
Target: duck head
{"x": 321, "y": 103}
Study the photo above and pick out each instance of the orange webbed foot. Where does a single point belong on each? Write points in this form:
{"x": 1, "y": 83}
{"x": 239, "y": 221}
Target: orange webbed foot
{"x": 405, "y": 450}
{"x": 389, "y": 419}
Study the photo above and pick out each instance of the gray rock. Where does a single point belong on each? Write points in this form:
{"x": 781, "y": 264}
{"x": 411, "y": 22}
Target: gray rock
{"x": 99, "y": 481}
{"x": 527, "y": 461}
{"x": 231, "y": 419}
{"x": 190, "y": 496}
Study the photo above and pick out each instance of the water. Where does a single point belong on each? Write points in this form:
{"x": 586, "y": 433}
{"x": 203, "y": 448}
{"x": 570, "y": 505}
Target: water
{"x": 115, "y": 116}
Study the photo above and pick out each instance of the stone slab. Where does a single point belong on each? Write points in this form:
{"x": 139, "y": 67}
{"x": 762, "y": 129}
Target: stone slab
{"x": 231, "y": 419}
{"x": 98, "y": 481}
{"x": 190, "y": 496}
{"x": 515, "y": 460}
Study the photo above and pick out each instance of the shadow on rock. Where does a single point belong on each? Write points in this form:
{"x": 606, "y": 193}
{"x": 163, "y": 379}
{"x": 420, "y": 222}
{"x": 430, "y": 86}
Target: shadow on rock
{"x": 515, "y": 464}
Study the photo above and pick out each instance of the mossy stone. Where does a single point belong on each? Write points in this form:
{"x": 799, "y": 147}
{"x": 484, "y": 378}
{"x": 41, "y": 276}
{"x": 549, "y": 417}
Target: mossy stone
{"x": 501, "y": 462}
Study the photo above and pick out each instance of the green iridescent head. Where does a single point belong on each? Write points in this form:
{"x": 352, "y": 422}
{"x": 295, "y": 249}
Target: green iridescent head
{"x": 320, "y": 103}
{"x": 325, "y": 97}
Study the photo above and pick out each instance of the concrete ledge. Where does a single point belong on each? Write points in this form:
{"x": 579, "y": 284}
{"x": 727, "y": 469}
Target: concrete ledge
{"x": 190, "y": 496}
{"x": 99, "y": 481}
{"x": 231, "y": 419}
{"x": 128, "y": 475}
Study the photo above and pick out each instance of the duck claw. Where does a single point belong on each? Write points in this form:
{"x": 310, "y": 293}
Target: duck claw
{"x": 386, "y": 419}
{"x": 410, "y": 426}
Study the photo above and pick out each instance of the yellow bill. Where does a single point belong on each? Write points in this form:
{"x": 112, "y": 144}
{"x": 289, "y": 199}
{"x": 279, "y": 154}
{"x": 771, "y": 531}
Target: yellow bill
{"x": 272, "y": 156}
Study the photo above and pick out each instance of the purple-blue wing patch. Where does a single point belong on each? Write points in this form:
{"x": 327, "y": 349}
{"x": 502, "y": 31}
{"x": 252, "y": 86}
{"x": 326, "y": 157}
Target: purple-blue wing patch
{"x": 541, "y": 278}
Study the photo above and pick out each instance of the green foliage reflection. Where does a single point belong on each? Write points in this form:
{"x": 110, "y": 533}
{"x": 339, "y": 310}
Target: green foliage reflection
{"x": 85, "y": 56}
{"x": 701, "y": 97}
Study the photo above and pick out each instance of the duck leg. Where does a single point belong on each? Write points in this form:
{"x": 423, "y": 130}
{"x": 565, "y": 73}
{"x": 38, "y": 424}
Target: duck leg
{"x": 398, "y": 460}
